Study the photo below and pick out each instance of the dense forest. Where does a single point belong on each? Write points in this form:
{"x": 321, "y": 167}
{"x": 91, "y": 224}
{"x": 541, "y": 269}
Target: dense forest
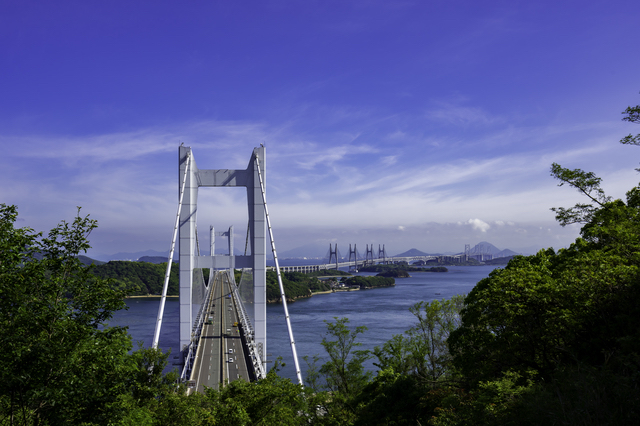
{"x": 552, "y": 338}
{"x": 144, "y": 278}
{"x": 138, "y": 278}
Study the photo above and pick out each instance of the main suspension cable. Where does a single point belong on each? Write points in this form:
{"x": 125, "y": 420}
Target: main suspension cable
{"x": 282, "y": 295}
{"x": 156, "y": 334}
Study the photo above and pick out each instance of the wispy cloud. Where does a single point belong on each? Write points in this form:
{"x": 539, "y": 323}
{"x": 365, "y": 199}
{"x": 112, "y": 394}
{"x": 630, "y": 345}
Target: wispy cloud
{"x": 335, "y": 181}
{"x": 457, "y": 115}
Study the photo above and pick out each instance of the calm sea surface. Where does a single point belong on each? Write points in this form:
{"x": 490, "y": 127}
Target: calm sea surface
{"x": 384, "y": 311}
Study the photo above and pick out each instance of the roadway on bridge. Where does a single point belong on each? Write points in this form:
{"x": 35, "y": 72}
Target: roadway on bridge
{"x": 220, "y": 357}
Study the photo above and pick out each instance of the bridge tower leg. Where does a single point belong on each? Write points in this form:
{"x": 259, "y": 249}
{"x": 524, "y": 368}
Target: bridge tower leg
{"x": 189, "y": 260}
{"x": 187, "y": 244}
{"x": 382, "y": 254}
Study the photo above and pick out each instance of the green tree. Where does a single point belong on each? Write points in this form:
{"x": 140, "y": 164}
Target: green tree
{"x": 554, "y": 338}
{"x": 585, "y": 182}
{"x": 410, "y": 383}
{"x": 424, "y": 351}
{"x": 59, "y": 363}
{"x": 343, "y": 375}
{"x": 344, "y": 372}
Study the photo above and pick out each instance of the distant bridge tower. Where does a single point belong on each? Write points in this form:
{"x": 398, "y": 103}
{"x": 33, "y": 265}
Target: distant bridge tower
{"x": 382, "y": 254}
{"x": 333, "y": 253}
{"x": 194, "y": 178}
{"x": 353, "y": 252}
{"x": 467, "y": 251}
{"x": 369, "y": 252}
{"x": 229, "y": 235}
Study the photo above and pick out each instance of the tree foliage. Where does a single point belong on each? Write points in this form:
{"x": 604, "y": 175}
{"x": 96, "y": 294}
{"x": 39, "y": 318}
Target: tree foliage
{"x": 139, "y": 278}
{"x": 585, "y": 182}
{"x": 59, "y": 364}
{"x": 632, "y": 115}
{"x": 368, "y": 282}
{"x": 423, "y": 352}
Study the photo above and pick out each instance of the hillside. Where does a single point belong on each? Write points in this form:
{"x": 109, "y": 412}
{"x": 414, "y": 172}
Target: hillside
{"x": 140, "y": 278}
{"x": 296, "y": 285}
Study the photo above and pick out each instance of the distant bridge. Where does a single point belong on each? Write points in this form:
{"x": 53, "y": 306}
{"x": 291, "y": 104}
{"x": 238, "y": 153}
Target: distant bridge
{"x": 458, "y": 258}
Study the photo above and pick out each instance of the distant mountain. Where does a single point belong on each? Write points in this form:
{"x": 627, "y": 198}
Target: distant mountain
{"x": 89, "y": 261}
{"x": 506, "y": 253}
{"x": 153, "y": 253}
{"x": 488, "y": 248}
{"x": 503, "y": 260}
{"x": 137, "y": 255}
{"x": 154, "y": 259}
{"x": 411, "y": 252}
{"x": 485, "y": 248}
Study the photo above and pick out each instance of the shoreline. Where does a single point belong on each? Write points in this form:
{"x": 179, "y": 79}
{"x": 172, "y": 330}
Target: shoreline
{"x": 159, "y": 296}
{"x": 346, "y": 290}
{"x": 149, "y": 296}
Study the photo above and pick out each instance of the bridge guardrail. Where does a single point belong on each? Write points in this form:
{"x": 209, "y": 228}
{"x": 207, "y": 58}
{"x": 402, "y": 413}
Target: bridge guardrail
{"x": 246, "y": 324}
{"x": 196, "y": 331}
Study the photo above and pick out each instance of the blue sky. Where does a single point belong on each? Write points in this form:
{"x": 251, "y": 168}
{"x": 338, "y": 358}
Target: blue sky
{"x": 426, "y": 124}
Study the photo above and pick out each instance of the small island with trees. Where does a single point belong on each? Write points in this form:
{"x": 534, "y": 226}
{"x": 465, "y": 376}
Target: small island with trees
{"x": 399, "y": 270}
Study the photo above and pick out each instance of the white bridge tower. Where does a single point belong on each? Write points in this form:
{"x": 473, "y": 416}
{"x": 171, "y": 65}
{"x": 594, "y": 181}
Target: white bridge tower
{"x": 190, "y": 260}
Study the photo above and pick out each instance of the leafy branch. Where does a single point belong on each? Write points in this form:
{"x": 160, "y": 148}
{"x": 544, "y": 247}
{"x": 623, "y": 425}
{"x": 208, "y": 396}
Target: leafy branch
{"x": 632, "y": 116}
{"x": 585, "y": 182}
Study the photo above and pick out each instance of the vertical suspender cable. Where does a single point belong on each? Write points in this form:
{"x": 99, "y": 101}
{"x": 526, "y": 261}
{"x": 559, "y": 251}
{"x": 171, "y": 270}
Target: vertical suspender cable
{"x": 282, "y": 295}
{"x": 156, "y": 334}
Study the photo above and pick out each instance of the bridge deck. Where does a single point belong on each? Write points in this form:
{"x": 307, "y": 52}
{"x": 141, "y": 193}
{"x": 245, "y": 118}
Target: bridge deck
{"x": 221, "y": 355}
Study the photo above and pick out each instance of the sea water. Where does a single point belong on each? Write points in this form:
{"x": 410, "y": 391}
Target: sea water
{"x": 384, "y": 311}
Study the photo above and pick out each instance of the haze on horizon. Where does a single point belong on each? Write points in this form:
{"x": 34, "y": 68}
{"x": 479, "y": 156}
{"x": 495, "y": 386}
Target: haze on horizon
{"x": 410, "y": 124}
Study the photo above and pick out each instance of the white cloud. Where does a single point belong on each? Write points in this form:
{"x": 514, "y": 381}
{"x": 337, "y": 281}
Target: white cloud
{"x": 479, "y": 225}
{"x": 129, "y": 180}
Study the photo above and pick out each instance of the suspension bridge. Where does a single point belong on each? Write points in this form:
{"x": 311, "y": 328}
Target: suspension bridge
{"x": 222, "y": 319}
{"x": 222, "y": 330}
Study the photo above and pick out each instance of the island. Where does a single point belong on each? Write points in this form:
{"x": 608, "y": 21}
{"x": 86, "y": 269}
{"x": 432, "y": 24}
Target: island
{"x": 399, "y": 270}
